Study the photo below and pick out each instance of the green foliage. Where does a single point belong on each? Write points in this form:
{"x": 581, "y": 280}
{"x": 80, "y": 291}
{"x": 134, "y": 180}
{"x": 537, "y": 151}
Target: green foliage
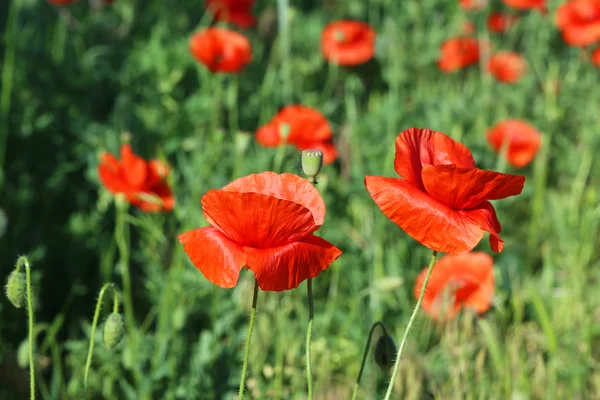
{"x": 79, "y": 78}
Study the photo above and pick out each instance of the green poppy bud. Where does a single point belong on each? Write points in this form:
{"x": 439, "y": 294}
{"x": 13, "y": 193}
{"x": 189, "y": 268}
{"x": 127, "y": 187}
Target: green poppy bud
{"x": 385, "y": 352}
{"x": 16, "y": 289}
{"x": 312, "y": 161}
{"x": 113, "y": 330}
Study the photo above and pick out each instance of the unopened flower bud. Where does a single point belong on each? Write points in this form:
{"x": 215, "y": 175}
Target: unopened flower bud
{"x": 113, "y": 330}
{"x": 312, "y": 161}
{"x": 385, "y": 352}
{"x": 16, "y": 289}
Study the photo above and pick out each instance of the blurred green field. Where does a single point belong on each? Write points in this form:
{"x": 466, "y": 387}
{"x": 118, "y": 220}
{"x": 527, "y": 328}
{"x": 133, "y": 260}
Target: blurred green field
{"x": 73, "y": 82}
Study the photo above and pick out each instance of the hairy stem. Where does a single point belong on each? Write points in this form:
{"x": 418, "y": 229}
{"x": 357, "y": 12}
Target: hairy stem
{"x": 365, "y": 354}
{"x": 248, "y": 338}
{"x": 390, "y": 388}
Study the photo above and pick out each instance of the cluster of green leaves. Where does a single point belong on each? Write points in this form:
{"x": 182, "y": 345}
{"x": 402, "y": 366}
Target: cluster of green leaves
{"x": 75, "y": 79}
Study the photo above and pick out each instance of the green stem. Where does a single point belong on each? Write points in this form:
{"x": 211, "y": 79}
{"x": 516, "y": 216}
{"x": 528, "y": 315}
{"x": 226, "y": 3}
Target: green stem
{"x": 365, "y": 354}
{"x": 311, "y": 311}
{"x": 88, "y": 362}
{"x": 390, "y": 388}
{"x": 25, "y": 261}
{"x": 10, "y": 40}
{"x": 121, "y": 236}
{"x": 248, "y": 338}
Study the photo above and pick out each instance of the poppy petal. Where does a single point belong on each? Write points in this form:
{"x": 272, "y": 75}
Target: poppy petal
{"x": 285, "y": 267}
{"x": 268, "y": 135}
{"x": 109, "y": 172}
{"x": 257, "y": 220}
{"x": 218, "y": 258}
{"x": 416, "y": 148}
{"x": 485, "y": 216}
{"x": 282, "y": 186}
{"x": 466, "y": 188}
{"x": 426, "y": 220}
{"x": 134, "y": 167}
{"x": 159, "y": 199}
{"x": 471, "y": 275}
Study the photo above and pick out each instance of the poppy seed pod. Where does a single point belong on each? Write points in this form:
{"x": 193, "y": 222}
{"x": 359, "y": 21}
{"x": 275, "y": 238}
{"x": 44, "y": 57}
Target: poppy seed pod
{"x": 16, "y": 289}
{"x": 312, "y": 162}
{"x": 385, "y": 352}
{"x": 113, "y": 331}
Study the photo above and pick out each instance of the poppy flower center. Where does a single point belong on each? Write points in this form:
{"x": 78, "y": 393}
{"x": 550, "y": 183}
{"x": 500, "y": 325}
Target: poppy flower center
{"x": 284, "y": 131}
{"x": 339, "y": 36}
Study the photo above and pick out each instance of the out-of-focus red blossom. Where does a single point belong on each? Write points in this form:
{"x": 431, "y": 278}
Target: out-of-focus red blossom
{"x": 142, "y": 182}
{"x": 468, "y": 28}
{"x": 539, "y": 5}
{"x": 237, "y": 12}
{"x": 264, "y": 222}
{"x": 348, "y": 42}
{"x": 472, "y": 5}
{"x": 221, "y": 50}
{"x": 507, "y": 66}
{"x": 498, "y": 22}
{"x": 579, "y": 22}
{"x": 596, "y": 57}
{"x": 466, "y": 280}
{"x": 457, "y": 53}
{"x": 301, "y": 126}
{"x": 61, "y": 2}
{"x": 523, "y": 141}
{"x": 442, "y": 202}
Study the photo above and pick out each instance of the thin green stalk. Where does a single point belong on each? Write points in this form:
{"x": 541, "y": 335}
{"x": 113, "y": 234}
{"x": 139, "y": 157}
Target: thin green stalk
{"x": 311, "y": 312}
{"x": 390, "y": 388}
{"x": 365, "y": 354}
{"x": 248, "y": 338}
{"x": 88, "y": 362}
{"x": 284, "y": 42}
{"x": 25, "y": 261}
{"x": 121, "y": 236}
{"x": 10, "y": 39}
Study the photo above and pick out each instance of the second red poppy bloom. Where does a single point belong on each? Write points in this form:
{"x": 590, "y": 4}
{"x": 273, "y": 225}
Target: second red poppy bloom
{"x": 237, "y": 12}
{"x": 348, "y": 42}
{"x": 142, "y": 183}
{"x": 466, "y": 280}
{"x": 264, "y": 222}
{"x": 221, "y": 50}
{"x": 443, "y": 200}
{"x": 302, "y": 126}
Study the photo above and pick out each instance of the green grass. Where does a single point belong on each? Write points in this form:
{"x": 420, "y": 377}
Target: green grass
{"x": 68, "y": 93}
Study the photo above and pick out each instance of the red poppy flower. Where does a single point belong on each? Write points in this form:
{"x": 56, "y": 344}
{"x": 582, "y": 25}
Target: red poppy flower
{"x": 527, "y": 4}
{"x": 457, "y": 53}
{"x": 507, "y": 66}
{"x": 348, "y": 42}
{"x": 579, "y": 22}
{"x": 264, "y": 222}
{"x": 302, "y": 126}
{"x": 596, "y": 57}
{"x": 466, "y": 280}
{"x": 237, "y": 12}
{"x": 499, "y": 22}
{"x": 472, "y": 5}
{"x": 442, "y": 202}
{"x": 142, "y": 182}
{"x": 61, "y": 2}
{"x": 221, "y": 50}
{"x": 523, "y": 141}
